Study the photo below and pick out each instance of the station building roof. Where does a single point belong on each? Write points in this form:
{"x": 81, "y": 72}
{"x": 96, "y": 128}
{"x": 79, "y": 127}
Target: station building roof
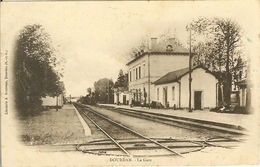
{"x": 166, "y": 47}
{"x": 174, "y": 76}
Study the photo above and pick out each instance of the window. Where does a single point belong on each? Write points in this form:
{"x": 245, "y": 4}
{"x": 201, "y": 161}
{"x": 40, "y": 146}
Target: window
{"x": 143, "y": 70}
{"x": 157, "y": 93}
{"x": 139, "y": 72}
{"x": 130, "y": 76}
{"x": 133, "y": 74}
{"x": 136, "y": 73}
{"x": 173, "y": 93}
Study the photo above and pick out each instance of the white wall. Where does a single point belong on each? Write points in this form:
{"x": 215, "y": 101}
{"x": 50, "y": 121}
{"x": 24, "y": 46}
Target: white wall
{"x": 169, "y": 93}
{"x": 137, "y": 63}
{"x": 159, "y": 66}
{"x": 51, "y": 101}
{"x": 162, "y": 64}
{"x": 121, "y": 97}
{"x": 202, "y": 81}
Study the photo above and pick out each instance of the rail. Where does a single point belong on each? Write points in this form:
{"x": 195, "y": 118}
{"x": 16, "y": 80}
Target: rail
{"x": 159, "y": 144}
{"x": 123, "y": 127}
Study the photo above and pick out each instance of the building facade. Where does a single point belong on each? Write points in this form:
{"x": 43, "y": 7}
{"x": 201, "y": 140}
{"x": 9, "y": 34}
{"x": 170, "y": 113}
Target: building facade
{"x": 150, "y": 65}
{"x": 53, "y": 101}
{"x": 121, "y": 97}
{"x": 243, "y": 87}
{"x": 173, "y": 89}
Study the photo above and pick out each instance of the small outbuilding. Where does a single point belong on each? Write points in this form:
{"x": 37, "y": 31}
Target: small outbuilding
{"x": 51, "y": 102}
{"x": 172, "y": 90}
{"x": 121, "y": 96}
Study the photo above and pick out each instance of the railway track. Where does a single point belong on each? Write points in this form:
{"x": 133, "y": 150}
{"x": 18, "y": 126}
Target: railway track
{"x": 134, "y": 134}
{"x": 123, "y": 141}
{"x": 181, "y": 122}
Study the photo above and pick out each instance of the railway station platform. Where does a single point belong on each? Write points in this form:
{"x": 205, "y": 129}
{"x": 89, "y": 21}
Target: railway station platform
{"x": 239, "y": 120}
{"x": 85, "y": 126}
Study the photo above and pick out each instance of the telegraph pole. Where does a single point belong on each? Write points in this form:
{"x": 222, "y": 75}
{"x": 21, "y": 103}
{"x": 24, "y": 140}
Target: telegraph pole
{"x": 149, "y": 93}
{"x": 190, "y": 79}
{"x": 57, "y": 102}
{"x": 108, "y": 92}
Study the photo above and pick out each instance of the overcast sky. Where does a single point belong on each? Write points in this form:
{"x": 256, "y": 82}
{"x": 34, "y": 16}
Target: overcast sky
{"x": 94, "y": 37}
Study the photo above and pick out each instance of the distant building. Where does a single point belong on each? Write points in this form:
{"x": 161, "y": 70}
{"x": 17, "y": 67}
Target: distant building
{"x": 53, "y": 101}
{"x": 121, "y": 96}
{"x": 59, "y": 100}
{"x": 242, "y": 93}
{"x": 173, "y": 88}
{"x": 242, "y": 88}
{"x": 150, "y": 65}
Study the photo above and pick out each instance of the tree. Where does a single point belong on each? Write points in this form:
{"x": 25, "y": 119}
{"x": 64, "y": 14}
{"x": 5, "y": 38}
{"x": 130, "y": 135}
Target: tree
{"x": 89, "y": 91}
{"x": 103, "y": 90}
{"x": 221, "y": 49}
{"x": 209, "y": 56}
{"x": 34, "y": 73}
{"x": 142, "y": 45}
{"x": 121, "y": 80}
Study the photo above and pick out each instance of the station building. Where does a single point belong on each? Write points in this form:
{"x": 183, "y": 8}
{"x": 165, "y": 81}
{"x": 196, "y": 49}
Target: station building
{"x": 150, "y": 65}
{"x": 172, "y": 89}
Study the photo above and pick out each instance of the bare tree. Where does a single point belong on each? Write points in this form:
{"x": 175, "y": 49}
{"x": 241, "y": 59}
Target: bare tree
{"x": 143, "y": 44}
{"x": 223, "y": 47}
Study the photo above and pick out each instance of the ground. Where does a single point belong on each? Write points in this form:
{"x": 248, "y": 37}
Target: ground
{"x": 52, "y": 127}
{"x": 63, "y": 127}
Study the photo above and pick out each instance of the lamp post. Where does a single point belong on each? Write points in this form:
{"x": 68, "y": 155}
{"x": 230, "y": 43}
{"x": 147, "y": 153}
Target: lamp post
{"x": 108, "y": 92}
{"x": 55, "y": 93}
{"x": 117, "y": 96}
{"x": 190, "y": 79}
{"x": 57, "y": 102}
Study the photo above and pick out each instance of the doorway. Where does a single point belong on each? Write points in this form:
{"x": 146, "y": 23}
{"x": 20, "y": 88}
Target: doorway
{"x": 197, "y": 100}
{"x": 165, "y": 96}
{"x": 124, "y": 99}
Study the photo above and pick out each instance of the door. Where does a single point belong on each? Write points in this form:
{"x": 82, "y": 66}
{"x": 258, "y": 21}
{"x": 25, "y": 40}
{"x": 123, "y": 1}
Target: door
{"x": 124, "y": 99}
{"x": 197, "y": 100}
{"x": 165, "y": 96}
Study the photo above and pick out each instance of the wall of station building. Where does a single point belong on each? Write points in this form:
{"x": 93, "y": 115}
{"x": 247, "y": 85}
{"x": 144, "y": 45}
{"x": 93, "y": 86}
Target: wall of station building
{"x": 178, "y": 92}
{"x": 172, "y": 98}
{"x": 162, "y": 64}
{"x": 138, "y": 70}
{"x": 202, "y": 81}
{"x": 159, "y": 65}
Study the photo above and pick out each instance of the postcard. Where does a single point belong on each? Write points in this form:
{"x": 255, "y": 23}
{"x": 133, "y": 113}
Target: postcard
{"x": 129, "y": 83}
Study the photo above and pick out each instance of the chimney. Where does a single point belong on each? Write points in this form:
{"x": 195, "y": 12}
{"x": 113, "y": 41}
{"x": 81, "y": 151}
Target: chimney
{"x": 153, "y": 42}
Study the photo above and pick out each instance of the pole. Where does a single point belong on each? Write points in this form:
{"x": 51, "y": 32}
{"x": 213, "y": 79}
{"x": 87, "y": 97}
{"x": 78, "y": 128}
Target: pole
{"x": 57, "y": 102}
{"x": 108, "y": 93}
{"x": 149, "y": 91}
{"x": 190, "y": 79}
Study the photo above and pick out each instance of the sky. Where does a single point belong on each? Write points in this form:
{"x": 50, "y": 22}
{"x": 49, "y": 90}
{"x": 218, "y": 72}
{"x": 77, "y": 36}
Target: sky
{"x": 95, "y": 37}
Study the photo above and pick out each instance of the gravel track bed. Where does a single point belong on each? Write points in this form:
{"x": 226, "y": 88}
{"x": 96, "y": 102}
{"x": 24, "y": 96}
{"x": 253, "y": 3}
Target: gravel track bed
{"x": 113, "y": 130}
{"x": 207, "y": 133}
{"x": 150, "y": 128}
